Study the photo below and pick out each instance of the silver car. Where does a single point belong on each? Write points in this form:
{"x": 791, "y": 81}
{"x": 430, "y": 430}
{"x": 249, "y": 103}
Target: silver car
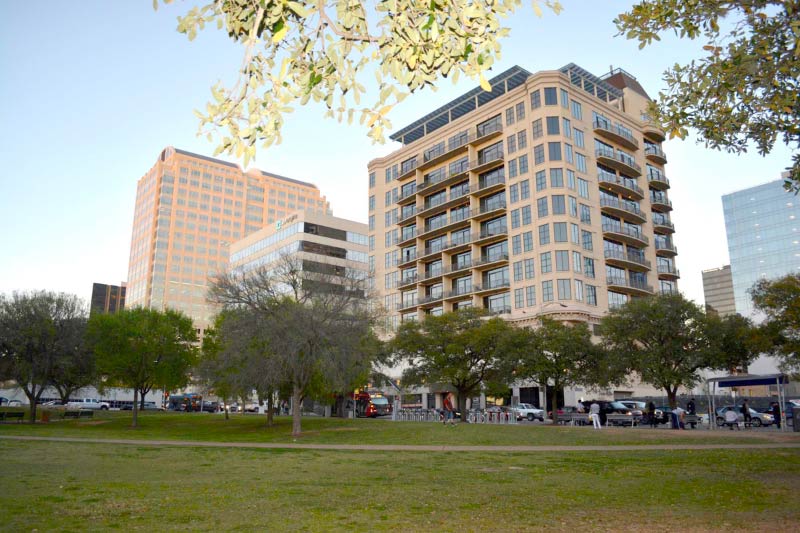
{"x": 756, "y": 419}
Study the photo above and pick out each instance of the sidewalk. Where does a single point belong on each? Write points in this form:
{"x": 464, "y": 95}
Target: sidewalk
{"x": 409, "y": 448}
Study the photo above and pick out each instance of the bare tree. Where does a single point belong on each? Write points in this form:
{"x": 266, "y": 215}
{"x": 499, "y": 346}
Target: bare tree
{"x": 314, "y": 319}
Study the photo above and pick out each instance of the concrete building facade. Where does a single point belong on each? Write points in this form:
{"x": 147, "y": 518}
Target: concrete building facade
{"x": 189, "y": 209}
{"x": 545, "y": 196}
{"x": 317, "y": 243}
{"x": 718, "y": 290}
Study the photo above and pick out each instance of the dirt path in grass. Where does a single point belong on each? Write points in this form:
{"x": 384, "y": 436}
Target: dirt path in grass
{"x": 412, "y": 448}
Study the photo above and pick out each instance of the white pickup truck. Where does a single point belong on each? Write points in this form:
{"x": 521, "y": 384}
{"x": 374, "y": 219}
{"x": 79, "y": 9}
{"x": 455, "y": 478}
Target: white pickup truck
{"x": 87, "y": 403}
{"x": 529, "y": 412}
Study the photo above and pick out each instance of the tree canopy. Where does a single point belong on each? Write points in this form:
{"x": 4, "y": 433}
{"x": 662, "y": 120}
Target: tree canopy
{"x": 41, "y": 335}
{"x": 461, "y": 349}
{"x": 779, "y": 300}
{"x": 313, "y": 328}
{"x": 667, "y": 339}
{"x": 298, "y": 51}
{"x": 744, "y": 90}
{"x": 559, "y": 355}
{"x": 141, "y": 348}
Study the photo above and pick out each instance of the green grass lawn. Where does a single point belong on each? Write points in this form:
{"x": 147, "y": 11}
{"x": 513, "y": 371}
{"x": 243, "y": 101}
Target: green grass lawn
{"x": 50, "y": 486}
{"x": 252, "y": 428}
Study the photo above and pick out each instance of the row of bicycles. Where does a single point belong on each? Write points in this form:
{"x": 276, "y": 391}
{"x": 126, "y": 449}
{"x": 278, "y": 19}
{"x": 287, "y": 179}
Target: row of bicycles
{"x": 474, "y": 416}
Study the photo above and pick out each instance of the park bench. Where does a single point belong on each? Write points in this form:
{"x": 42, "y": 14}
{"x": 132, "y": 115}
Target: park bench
{"x": 581, "y": 419}
{"x": 71, "y": 414}
{"x": 9, "y": 415}
{"x": 564, "y": 418}
{"x": 85, "y": 414}
{"x": 619, "y": 419}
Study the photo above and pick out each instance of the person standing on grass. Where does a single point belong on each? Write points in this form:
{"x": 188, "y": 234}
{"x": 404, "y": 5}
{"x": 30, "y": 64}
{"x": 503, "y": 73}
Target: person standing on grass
{"x": 746, "y": 413}
{"x": 679, "y": 414}
{"x": 776, "y": 413}
{"x": 594, "y": 414}
{"x": 448, "y": 409}
{"x": 651, "y": 413}
{"x": 691, "y": 408}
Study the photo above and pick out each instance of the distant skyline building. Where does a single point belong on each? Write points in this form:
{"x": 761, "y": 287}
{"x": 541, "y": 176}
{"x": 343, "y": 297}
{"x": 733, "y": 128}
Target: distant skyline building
{"x": 763, "y": 229}
{"x": 189, "y": 209}
{"x": 107, "y": 298}
{"x": 718, "y": 290}
{"x": 324, "y": 246}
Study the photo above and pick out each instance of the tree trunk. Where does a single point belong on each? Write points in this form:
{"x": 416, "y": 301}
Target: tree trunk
{"x": 64, "y": 394}
{"x": 297, "y": 400}
{"x": 270, "y": 409}
{"x": 672, "y": 394}
{"x": 462, "y": 404}
{"x": 135, "y": 407}
{"x": 225, "y": 408}
{"x": 554, "y": 402}
{"x": 32, "y": 398}
{"x": 141, "y": 400}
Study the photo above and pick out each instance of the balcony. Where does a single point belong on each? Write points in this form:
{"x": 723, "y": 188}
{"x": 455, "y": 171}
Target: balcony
{"x": 455, "y": 221}
{"x": 616, "y": 134}
{"x": 407, "y": 238}
{"x": 428, "y": 300}
{"x": 490, "y": 132}
{"x": 653, "y": 133}
{"x": 486, "y": 237}
{"x": 458, "y": 293}
{"x": 660, "y": 203}
{"x": 407, "y": 281}
{"x": 627, "y": 260}
{"x": 445, "y": 202}
{"x": 655, "y": 154}
{"x": 491, "y": 260}
{"x": 407, "y": 198}
{"x": 458, "y": 267}
{"x": 663, "y": 226}
{"x": 666, "y": 249}
{"x": 434, "y": 155}
{"x": 487, "y": 161}
{"x": 434, "y": 276}
{"x": 627, "y": 286}
{"x": 492, "y": 287}
{"x": 625, "y": 234}
{"x": 617, "y": 161}
{"x": 445, "y": 180}
{"x": 668, "y": 272}
{"x": 658, "y": 181}
{"x": 490, "y": 186}
{"x": 490, "y": 210}
{"x": 409, "y": 217}
{"x": 628, "y": 211}
{"x": 408, "y": 168}
{"x": 403, "y": 306}
{"x": 427, "y": 253}
{"x": 613, "y": 183}
{"x": 407, "y": 259}
{"x": 502, "y": 310}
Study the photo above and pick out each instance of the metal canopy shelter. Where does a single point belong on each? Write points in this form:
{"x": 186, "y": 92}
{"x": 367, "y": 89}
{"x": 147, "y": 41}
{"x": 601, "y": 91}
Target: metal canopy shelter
{"x": 745, "y": 380}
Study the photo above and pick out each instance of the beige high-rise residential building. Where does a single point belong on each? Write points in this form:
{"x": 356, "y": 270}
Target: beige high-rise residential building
{"x": 545, "y": 196}
{"x": 189, "y": 209}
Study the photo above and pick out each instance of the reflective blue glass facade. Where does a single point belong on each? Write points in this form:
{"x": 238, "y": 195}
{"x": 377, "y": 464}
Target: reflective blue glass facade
{"x": 763, "y": 228}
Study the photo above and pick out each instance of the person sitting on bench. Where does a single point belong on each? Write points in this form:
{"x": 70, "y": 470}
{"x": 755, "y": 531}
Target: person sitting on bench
{"x": 731, "y": 419}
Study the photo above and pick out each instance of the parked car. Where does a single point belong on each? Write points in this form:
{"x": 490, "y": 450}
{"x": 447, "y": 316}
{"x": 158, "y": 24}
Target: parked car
{"x": 639, "y": 410}
{"x": 15, "y": 403}
{"x": 88, "y": 403}
{"x": 3, "y": 400}
{"x": 54, "y": 404}
{"x": 148, "y": 406}
{"x": 610, "y": 407}
{"x": 529, "y": 412}
{"x": 757, "y": 419}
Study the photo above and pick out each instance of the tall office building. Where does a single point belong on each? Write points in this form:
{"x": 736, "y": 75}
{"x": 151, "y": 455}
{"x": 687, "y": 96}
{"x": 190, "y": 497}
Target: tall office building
{"x": 107, "y": 298}
{"x": 546, "y": 195}
{"x": 718, "y": 290}
{"x": 189, "y": 208}
{"x": 763, "y": 227}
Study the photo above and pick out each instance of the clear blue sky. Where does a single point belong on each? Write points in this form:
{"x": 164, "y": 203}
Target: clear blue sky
{"x": 91, "y": 91}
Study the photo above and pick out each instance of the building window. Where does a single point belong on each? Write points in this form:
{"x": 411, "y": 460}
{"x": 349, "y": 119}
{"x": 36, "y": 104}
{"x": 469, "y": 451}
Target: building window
{"x": 513, "y": 193}
{"x": 509, "y": 116}
{"x": 564, "y": 99}
{"x": 537, "y": 128}
{"x": 564, "y": 289}
{"x": 372, "y": 203}
{"x": 562, "y": 260}
{"x": 526, "y": 215}
{"x": 579, "y": 142}
{"x": 536, "y": 99}
{"x": 577, "y": 110}
{"x": 576, "y": 262}
{"x": 578, "y": 290}
{"x": 527, "y": 239}
{"x": 550, "y": 96}
{"x": 544, "y": 234}
{"x": 518, "y": 298}
{"x": 556, "y": 177}
{"x": 515, "y": 219}
{"x": 520, "y": 110}
{"x": 541, "y": 207}
{"x": 560, "y": 232}
{"x": 591, "y": 295}
{"x": 545, "y": 262}
{"x": 530, "y": 271}
{"x": 547, "y": 291}
{"x": 522, "y": 139}
{"x": 516, "y": 244}
{"x": 511, "y": 144}
{"x": 554, "y": 151}
{"x": 371, "y": 180}
{"x": 523, "y": 164}
{"x": 541, "y": 180}
{"x": 583, "y": 188}
{"x": 518, "y": 271}
{"x": 559, "y": 207}
{"x": 586, "y": 237}
{"x": 586, "y": 214}
{"x": 538, "y": 154}
{"x": 524, "y": 188}
{"x": 530, "y": 295}
{"x": 552, "y": 126}
{"x": 588, "y": 267}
